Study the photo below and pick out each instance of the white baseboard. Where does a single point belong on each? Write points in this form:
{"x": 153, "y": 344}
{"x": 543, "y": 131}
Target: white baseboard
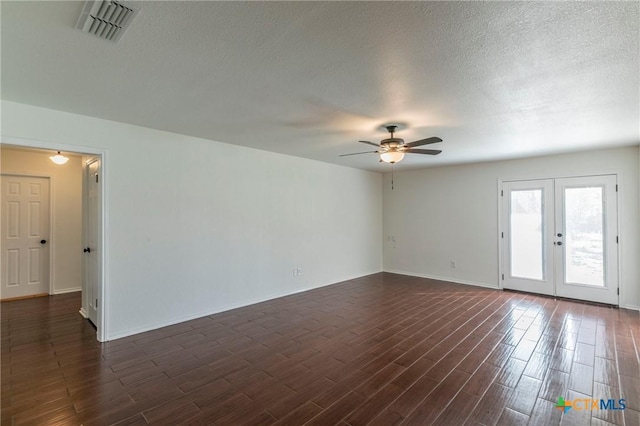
{"x": 83, "y": 313}
{"x": 632, "y": 307}
{"x": 449, "y": 279}
{"x": 139, "y": 330}
{"x": 67, "y": 290}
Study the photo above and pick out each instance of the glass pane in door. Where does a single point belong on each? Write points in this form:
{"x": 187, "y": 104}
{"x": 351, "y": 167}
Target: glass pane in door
{"x": 526, "y": 234}
{"x": 584, "y": 230}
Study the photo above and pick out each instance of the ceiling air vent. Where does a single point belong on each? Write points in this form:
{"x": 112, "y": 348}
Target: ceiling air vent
{"x": 107, "y": 19}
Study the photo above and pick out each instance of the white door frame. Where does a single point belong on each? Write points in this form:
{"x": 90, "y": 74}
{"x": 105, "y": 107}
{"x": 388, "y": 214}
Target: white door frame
{"x": 103, "y": 323}
{"x": 501, "y": 248}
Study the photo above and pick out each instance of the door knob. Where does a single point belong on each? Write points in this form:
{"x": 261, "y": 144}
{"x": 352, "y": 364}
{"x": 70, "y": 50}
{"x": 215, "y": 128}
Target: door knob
{"x": 559, "y": 243}
{"x": 559, "y": 234}
{"x": 43, "y": 241}
{"x": 87, "y": 250}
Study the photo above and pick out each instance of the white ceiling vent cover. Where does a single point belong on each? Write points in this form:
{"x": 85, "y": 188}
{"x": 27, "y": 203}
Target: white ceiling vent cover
{"x": 107, "y": 19}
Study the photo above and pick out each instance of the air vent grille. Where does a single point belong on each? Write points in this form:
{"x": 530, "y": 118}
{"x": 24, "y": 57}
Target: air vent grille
{"x": 107, "y": 19}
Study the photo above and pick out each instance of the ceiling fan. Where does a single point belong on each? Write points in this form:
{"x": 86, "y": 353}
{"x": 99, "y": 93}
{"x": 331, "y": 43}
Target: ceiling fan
{"x": 392, "y": 150}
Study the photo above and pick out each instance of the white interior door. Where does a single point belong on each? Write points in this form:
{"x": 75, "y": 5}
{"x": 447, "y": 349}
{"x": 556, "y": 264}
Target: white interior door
{"x": 25, "y": 236}
{"x": 560, "y": 237}
{"x": 92, "y": 223}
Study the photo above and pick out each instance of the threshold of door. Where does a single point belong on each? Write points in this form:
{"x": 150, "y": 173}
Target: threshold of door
{"x": 568, "y": 299}
{"x": 31, "y": 296}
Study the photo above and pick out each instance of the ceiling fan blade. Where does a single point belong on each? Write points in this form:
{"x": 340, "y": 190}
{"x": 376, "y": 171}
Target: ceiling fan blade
{"x": 423, "y": 151}
{"x": 358, "y": 153}
{"x": 370, "y": 143}
{"x": 427, "y": 141}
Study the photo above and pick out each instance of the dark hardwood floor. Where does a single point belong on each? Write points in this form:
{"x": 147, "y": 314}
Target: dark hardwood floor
{"x": 384, "y": 349}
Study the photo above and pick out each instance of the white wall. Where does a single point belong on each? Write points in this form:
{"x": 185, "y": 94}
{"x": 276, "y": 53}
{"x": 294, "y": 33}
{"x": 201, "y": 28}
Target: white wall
{"x": 66, "y": 197}
{"x": 196, "y": 226}
{"x": 451, "y": 213}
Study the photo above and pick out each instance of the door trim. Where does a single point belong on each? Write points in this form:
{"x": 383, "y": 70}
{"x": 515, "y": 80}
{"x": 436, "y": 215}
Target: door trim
{"x": 103, "y": 318}
{"x": 619, "y": 202}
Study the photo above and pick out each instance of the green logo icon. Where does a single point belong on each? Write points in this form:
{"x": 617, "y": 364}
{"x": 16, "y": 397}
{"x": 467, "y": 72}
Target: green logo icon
{"x": 563, "y": 405}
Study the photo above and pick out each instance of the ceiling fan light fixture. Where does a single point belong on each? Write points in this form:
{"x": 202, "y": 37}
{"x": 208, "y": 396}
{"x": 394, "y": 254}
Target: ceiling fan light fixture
{"x": 392, "y": 156}
{"x": 59, "y": 158}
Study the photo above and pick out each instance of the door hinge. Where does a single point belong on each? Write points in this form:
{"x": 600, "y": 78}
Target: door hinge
{"x": 618, "y": 291}
{"x": 96, "y": 178}
{"x": 616, "y": 187}
{"x": 502, "y": 277}
{"x": 617, "y": 240}
{"x": 502, "y": 234}
{"x": 502, "y": 193}
{"x": 96, "y": 304}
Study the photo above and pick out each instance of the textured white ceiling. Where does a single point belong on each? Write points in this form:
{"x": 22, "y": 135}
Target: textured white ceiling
{"x": 494, "y": 80}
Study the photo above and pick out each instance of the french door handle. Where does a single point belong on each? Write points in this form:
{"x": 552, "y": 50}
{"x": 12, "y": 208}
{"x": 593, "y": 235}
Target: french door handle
{"x": 87, "y": 250}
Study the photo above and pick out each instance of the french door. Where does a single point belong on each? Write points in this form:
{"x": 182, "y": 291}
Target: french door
{"x": 559, "y": 237}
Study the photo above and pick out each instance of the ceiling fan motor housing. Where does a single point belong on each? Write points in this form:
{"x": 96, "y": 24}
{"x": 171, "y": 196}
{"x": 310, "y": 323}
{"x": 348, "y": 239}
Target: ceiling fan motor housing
{"x": 392, "y": 142}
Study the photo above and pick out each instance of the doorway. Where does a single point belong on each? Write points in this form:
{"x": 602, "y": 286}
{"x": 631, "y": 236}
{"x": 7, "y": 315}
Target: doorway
{"x": 96, "y": 289}
{"x": 559, "y": 237}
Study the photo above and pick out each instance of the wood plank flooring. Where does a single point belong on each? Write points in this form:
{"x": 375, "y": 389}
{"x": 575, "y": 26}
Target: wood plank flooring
{"x": 382, "y": 350}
